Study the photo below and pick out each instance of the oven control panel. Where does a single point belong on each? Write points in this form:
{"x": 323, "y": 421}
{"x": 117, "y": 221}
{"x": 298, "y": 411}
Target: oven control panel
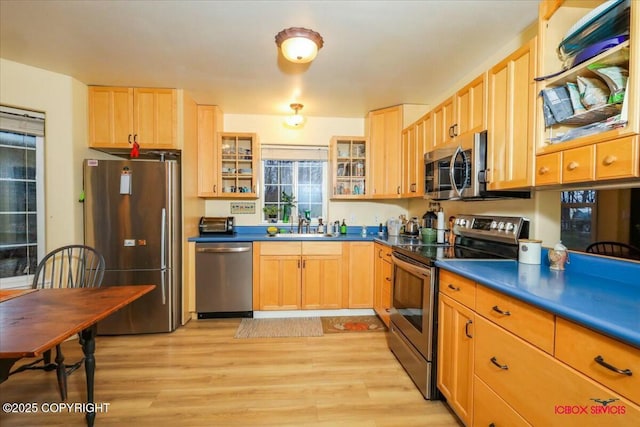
{"x": 507, "y": 229}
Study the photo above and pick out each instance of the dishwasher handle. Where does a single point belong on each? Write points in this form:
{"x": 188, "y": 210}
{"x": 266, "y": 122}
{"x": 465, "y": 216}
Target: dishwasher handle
{"x": 223, "y": 250}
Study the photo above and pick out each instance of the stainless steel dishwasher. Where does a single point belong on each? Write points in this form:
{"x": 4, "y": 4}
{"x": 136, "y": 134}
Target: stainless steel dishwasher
{"x": 224, "y": 279}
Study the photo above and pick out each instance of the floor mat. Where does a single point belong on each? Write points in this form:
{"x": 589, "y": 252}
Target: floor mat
{"x": 285, "y": 327}
{"x": 352, "y": 324}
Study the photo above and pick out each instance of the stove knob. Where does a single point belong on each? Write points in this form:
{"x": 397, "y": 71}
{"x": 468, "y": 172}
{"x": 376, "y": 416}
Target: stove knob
{"x": 500, "y": 226}
{"x": 509, "y": 227}
{"x": 494, "y": 225}
{"x": 463, "y": 222}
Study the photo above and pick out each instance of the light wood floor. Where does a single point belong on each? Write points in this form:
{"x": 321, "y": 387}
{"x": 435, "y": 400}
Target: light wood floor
{"x": 201, "y": 376}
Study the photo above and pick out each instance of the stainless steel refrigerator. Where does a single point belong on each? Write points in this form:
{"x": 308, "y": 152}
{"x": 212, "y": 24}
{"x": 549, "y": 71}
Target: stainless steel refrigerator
{"x": 132, "y": 217}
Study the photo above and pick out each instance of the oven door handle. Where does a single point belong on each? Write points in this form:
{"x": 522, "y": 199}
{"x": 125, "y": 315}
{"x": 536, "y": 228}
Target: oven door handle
{"x": 412, "y": 268}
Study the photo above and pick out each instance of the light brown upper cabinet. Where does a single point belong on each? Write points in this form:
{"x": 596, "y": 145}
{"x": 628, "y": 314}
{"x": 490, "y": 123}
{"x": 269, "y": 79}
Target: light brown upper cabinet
{"x": 621, "y": 161}
{"x": 415, "y": 141}
{"x": 120, "y": 116}
{"x": 349, "y": 167}
{"x": 210, "y": 122}
{"x": 462, "y": 113}
{"x": 510, "y": 157}
{"x": 384, "y": 129}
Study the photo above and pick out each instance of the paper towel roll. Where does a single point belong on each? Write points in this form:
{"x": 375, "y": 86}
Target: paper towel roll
{"x": 440, "y": 233}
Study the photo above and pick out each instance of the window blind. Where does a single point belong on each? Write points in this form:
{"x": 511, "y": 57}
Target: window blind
{"x": 21, "y": 121}
{"x": 295, "y": 152}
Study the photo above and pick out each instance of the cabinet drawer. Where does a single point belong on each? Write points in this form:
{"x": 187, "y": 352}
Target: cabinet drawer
{"x": 548, "y": 167}
{"x": 489, "y": 409}
{"x": 457, "y": 287}
{"x": 280, "y": 248}
{"x": 542, "y": 389}
{"x": 579, "y": 347}
{"x": 529, "y": 323}
{"x": 577, "y": 164}
{"x": 617, "y": 159}
{"x": 321, "y": 248}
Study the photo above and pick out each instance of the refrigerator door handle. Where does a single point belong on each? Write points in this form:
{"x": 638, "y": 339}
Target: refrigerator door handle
{"x": 163, "y": 243}
{"x": 163, "y": 262}
{"x": 162, "y": 285}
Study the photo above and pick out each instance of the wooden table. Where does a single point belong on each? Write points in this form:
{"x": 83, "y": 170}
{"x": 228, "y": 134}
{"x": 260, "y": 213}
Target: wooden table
{"x": 33, "y": 322}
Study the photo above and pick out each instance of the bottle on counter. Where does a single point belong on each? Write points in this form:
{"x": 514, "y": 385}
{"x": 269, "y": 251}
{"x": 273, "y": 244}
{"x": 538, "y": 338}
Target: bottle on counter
{"x": 320, "y": 226}
{"x": 363, "y": 233}
{"x": 343, "y": 227}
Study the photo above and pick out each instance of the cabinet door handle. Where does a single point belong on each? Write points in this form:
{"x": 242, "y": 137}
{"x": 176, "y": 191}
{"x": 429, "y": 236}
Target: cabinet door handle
{"x": 600, "y": 361}
{"x": 298, "y": 263}
{"x": 455, "y": 129}
{"x": 466, "y": 328}
{"x": 573, "y": 166}
{"x": 129, "y": 138}
{"x": 379, "y": 253}
{"x": 135, "y": 137}
{"x": 453, "y": 288}
{"x": 609, "y": 160}
{"x": 495, "y": 362}
{"x": 215, "y": 188}
{"x": 398, "y": 190}
{"x": 543, "y": 170}
{"x": 503, "y": 312}
{"x": 450, "y": 131}
{"x": 388, "y": 279}
{"x": 304, "y": 263}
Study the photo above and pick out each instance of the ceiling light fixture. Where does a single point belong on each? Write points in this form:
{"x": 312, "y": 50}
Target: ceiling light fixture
{"x": 295, "y": 119}
{"x": 299, "y": 45}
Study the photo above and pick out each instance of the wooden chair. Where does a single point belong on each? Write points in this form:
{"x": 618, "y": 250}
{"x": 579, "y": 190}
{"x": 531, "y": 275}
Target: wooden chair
{"x": 616, "y": 249}
{"x": 71, "y": 266}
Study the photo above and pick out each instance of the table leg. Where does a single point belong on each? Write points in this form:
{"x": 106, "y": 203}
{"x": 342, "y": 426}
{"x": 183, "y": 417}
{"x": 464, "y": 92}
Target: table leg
{"x": 88, "y": 348}
{"x": 5, "y": 368}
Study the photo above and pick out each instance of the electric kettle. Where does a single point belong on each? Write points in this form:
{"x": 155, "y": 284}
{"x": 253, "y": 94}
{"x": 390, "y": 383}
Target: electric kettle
{"x": 412, "y": 227}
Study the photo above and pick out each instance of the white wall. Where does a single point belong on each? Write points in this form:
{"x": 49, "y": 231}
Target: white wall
{"x": 64, "y": 101}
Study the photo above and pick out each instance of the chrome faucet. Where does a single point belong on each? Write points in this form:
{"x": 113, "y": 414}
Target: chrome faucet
{"x": 302, "y": 222}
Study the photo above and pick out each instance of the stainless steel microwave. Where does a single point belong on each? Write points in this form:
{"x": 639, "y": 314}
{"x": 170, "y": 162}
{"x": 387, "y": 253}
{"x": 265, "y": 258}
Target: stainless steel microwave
{"x": 459, "y": 172}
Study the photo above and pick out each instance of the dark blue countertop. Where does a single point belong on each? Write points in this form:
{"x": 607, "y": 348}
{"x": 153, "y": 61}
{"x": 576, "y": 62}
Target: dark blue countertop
{"x": 259, "y": 234}
{"x": 600, "y": 293}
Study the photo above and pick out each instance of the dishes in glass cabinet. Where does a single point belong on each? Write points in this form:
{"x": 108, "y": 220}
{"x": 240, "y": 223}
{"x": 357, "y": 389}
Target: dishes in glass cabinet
{"x": 246, "y": 171}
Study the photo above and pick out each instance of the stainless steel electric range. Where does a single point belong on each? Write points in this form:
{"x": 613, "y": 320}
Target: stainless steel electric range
{"x": 414, "y": 314}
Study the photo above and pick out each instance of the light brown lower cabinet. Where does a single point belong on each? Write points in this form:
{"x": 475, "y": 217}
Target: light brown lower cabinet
{"x": 455, "y": 355}
{"x": 530, "y": 367}
{"x": 382, "y": 281}
{"x": 298, "y": 275}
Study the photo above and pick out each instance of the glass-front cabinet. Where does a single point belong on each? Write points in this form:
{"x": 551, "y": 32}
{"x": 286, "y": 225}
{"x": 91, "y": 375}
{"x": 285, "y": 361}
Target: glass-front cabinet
{"x": 349, "y": 161}
{"x": 239, "y": 156}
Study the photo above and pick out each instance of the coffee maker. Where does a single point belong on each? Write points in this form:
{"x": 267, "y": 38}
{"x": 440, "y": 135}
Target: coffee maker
{"x": 430, "y": 218}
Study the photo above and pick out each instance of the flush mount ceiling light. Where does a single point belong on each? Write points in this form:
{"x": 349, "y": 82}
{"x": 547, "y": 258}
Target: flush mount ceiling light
{"x": 299, "y": 45}
{"x": 295, "y": 119}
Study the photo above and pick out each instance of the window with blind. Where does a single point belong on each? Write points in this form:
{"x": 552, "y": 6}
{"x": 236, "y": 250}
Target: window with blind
{"x": 298, "y": 172}
{"x": 21, "y": 195}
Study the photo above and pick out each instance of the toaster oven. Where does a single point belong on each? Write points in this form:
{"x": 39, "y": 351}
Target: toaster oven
{"x": 217, "y": 225}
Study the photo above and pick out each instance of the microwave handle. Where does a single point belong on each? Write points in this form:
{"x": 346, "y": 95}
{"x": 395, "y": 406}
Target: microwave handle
{"x": 452, "y": 176}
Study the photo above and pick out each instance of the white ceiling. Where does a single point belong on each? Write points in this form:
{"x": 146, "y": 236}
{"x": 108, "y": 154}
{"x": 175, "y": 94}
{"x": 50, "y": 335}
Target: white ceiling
{"x": 376, "y": 53}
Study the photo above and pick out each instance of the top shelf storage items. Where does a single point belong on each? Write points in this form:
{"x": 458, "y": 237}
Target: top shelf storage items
{"x": 588, "y": 72}
{"x": 350, "y": 167}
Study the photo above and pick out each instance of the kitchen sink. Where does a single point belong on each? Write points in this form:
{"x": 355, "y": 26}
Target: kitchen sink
{"x": 302, "y": 236}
